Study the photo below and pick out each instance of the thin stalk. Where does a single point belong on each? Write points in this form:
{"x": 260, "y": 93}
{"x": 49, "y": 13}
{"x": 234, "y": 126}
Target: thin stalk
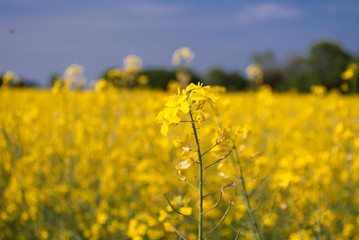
{"x": 182, "y": 124}
{"x": 187, "y": 216}
{"x": 246, "y": 196}
{"x": 215, "y": 191}
{"x": 200, "y": 181}
{"x": 180, "y": 234}
{"x": 220, "y": 221}
{"x": 192, "y": 186}
{"x": 218, "y": 160}
{"x": 215, "y": 205}
{"x": 209, "y": 149}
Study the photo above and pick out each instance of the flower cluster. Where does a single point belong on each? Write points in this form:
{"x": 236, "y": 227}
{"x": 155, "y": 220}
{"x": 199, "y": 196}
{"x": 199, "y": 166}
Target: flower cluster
{"x": 254, "y": 73}
{"x": 192, "y": 99}
{"x": 183, "y": 54}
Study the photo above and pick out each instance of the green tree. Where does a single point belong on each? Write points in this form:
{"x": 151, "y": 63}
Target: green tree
{"x": 232, "y": 81}
{"x": 217, "y": 77}
{"x": 266, "y": 59}
{"x": 327, "y": 61}
{"x": 159, "y": 78}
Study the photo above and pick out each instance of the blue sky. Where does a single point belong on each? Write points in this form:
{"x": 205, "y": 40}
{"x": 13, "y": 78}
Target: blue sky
{"x": 50, "y": 35}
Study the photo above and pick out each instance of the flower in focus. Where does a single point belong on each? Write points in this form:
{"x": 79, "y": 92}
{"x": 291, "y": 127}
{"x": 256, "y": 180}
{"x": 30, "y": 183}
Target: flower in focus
{"x": 176, "y": 106}
{"x": 199, "y": 95}
{"x": 193, "y": 98}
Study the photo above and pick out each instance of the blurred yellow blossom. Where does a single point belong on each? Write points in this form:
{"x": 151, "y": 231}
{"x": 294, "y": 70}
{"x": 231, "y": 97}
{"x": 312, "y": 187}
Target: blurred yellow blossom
{"x": 183, "y": 54}
{"x": 132, "y": 63}
{"x": 254, "y": 73}
{"x": 350, "y": 71}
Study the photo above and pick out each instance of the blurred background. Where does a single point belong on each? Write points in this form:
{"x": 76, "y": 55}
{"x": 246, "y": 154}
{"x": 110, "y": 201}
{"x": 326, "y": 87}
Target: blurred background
{"x": 291, "y": 40}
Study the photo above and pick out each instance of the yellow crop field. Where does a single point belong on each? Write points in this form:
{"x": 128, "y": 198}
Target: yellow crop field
{"x": 94, "y": 164}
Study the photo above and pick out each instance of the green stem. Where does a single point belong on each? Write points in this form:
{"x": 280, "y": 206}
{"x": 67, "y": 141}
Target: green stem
{"x": 180, "y": 234}
{"x": 246, "y": 196}
{"x": 220, "y": 221}
{"x": 200, "y": 181}
{"x": 215, "y": 205}
{"x": 209, "y": 149}
{"x": 169, "y": 203}
{"x": 218, "y": 160}
{"x": 216, "y": 191}
{"x": 192, "y": 186}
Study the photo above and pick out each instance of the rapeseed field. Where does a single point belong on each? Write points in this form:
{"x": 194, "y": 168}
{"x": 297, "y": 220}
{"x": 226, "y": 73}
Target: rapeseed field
{"x": 96, "y": 164}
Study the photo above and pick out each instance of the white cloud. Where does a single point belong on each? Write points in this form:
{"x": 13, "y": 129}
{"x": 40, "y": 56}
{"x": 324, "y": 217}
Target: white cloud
{"x": 265, "y": 12}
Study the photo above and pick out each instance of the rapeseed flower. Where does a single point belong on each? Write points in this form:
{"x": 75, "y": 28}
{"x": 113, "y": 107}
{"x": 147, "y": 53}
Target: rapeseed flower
{"x": 255, "y": 73}
{"x": 182, "y": 54}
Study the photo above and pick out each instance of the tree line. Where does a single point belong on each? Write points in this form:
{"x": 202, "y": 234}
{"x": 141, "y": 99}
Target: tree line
{"x": 323, "y": 65}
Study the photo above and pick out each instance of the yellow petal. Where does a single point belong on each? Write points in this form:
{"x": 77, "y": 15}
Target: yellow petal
{"x": 164, "y": 129}
{"x": 186, "y": 210}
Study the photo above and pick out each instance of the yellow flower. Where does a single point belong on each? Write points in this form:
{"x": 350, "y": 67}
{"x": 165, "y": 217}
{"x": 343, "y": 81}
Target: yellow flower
{"x": 132, "y": 63}
{"x": 189, "y": 159}
{"x": 74, "y": 69}
{"x": 176, "y": 106}
{"x": 114, "y": 73}
{"x": 57, "y": 86}
{"x": 101, "y": 85}
{"x": 74, "y": 77}
{"x": 179, "y": 143}
{"x": 166, "y": 117}
{"x": 8, "y": 77}
{"x": 350, "y": 72}
{"x": 142, "y": 79}
{"x": 344, "y": 87}
{"x": 182, "y": 54}
{"x": 168, "y": 227}
{"x": 223, "y": 134}
{"x": 318, "y": 90}
{"x": 270, "y": 220}
{"x": 199, "y": 95}
{"x": 347, "y": 74}
{"x": 163, "y": 215}
{"x": 186, "y": 210}
{"x": 254, "y": 73}
{"x": 44, "y": 234}
{"x": 178, "y": 101}
{"x": 102, "y": 218}
{"x": 173, "y": 86}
